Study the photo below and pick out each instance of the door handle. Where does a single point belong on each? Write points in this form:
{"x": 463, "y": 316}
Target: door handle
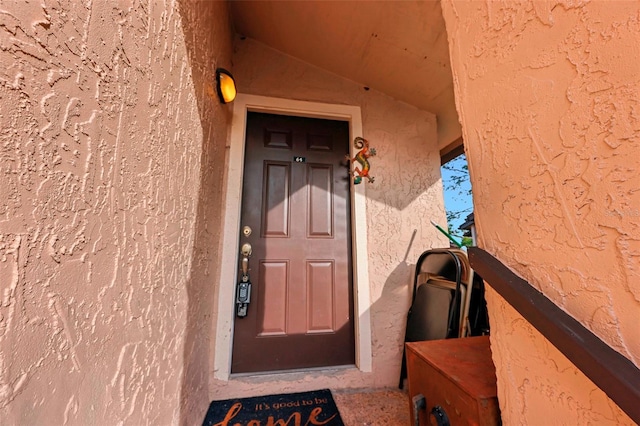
{"x": 246, "y": 254}
{"x": 243, "y": 290}
{"x": 419, "y": 403}
{"x": 440, "y": 416}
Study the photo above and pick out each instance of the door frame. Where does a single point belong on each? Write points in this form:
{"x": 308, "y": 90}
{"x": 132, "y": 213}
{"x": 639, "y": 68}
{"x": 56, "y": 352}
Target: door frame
{"x": 231, "y": 225}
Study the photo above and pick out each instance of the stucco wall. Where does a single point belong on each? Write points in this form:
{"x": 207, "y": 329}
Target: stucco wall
{"x": 207, "y": 33}
{"x": 407, "y": 192}
{"x": 548, "y": 97}
{"x": 101, "y": 145}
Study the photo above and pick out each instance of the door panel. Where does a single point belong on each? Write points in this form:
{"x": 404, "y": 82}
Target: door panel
{"x": 320, "y": 288}
{"x": 320, "y": 206}
{"x": 273, "y": 310}
{"x": 296, "y": 201}
{"x": 275, "y": 211}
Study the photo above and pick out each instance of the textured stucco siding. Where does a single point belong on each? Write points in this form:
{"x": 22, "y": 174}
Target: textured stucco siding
{"x": 406, "y": 194}
{"x": 101, "y": 147}
{"x": 208, "y": 38}
{"x": 548, "y": 97}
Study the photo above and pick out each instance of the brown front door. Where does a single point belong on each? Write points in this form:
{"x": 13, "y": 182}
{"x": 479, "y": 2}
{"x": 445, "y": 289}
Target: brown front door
{"x": 295, "y": 199}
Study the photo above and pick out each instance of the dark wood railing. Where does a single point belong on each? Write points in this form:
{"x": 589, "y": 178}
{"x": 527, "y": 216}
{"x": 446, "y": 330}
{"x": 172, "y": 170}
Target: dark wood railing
{"x": 616, "y": 375}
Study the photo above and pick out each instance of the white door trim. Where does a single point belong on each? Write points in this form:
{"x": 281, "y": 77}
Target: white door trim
{"x": 231, "y": 225}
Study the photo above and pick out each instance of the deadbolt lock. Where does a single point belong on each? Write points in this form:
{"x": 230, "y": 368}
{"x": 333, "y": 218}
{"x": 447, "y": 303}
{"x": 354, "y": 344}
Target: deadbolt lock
{"x": 246, "y": 231}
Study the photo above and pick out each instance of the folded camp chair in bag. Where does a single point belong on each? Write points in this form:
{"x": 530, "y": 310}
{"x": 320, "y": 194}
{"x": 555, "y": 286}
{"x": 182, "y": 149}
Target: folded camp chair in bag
{"x": 445, "y": 278}
{"x": 442, "y": 288}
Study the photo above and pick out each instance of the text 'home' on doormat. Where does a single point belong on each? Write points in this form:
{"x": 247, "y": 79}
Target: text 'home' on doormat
{"x": 287, "y": 409}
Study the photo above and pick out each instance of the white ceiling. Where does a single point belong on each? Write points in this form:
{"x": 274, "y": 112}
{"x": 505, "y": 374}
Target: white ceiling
{"x": 397, "y": 47}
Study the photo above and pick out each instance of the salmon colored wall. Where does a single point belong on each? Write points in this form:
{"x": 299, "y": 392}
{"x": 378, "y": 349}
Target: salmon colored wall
{"x": 208, "y": 38}
{"x": 101, "y": 147}
{"x": 548, "y": 98}
{"x": 407, "y": 192}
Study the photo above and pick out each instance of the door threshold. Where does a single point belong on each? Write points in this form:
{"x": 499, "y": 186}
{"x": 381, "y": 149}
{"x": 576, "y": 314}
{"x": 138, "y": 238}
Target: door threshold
{"x": 293, "y": 371}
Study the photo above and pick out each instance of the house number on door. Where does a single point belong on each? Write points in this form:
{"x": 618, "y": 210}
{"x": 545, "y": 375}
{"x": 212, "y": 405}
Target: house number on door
{"x": 299, "y": 159}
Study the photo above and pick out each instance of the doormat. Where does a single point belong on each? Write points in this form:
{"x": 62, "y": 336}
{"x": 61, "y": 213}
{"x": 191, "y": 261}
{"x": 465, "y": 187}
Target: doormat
{"x": 286, "y": 409}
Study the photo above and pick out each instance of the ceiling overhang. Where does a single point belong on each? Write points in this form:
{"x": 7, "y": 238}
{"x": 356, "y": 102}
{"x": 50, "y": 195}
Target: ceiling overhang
{"x": 399, "y": 48}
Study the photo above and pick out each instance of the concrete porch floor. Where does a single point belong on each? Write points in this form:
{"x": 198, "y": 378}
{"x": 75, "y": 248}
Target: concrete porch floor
{"x": 372, "y": 408}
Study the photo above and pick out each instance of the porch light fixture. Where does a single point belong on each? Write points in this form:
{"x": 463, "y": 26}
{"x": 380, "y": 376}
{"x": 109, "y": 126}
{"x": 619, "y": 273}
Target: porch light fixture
{"x": 226, "y": 86}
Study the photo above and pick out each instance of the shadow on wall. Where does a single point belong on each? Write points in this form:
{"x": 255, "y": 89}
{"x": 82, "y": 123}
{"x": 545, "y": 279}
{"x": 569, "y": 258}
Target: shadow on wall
{"x": 406, "y": 171}
{"x": 389, "y": 314}
{"x": 208, "y": 39}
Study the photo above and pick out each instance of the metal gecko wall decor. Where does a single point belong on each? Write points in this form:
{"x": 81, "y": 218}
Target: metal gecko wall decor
{"x": 362, "y": 158}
